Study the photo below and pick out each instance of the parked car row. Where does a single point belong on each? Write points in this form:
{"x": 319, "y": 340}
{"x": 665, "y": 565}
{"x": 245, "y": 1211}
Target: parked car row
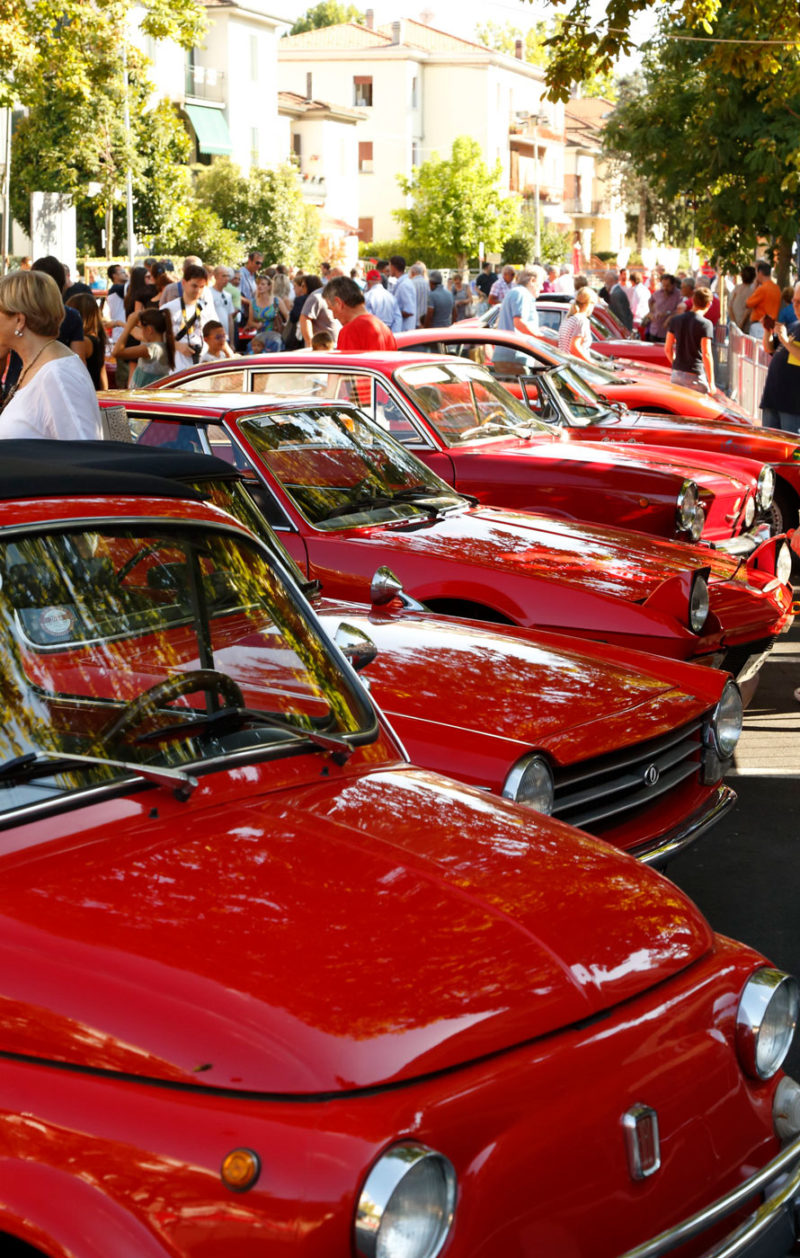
{"x": 306, "y": 954}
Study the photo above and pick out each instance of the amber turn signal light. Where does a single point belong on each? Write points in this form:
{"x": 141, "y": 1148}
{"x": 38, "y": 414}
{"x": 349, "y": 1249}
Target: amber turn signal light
{"x": 240, "y": 1169}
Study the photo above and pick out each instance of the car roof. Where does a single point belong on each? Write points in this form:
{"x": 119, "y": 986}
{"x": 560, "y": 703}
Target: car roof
{"x": 385, "y": 359}
{"x": 62, "y": 469}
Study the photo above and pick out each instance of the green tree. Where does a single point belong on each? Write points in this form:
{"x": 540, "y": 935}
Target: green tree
{"x": 265, "y": 209}
{"x": 327, "y": 13}
{"x": 74, "y": 133}
{"x": 588, "y": 43}
{"x": 734, "y": 153}
{"x": 456, "y": 204}
{"x": 537, "y": 50}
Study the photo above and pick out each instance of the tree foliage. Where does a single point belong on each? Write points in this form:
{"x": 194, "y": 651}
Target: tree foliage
{"x": 590, "y": 43}
{"x": 520, "y": 248}
{"x": 537, "y": 50}
{"x": 327, "y": 13}
{"x": 265, "y": 209}
{"x": 732, "y": 155}
{"x": 456, "y": 204}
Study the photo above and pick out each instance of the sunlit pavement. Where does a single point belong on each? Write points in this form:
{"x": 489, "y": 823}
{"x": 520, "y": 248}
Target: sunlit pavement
{"x": 745, "y": 874}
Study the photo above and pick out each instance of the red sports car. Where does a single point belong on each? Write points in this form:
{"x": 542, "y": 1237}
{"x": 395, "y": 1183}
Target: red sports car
{"x": 574, "y": 396}
{"x": 463, "y": 424}
{"x": 270, "y": 989}
{"x": 621, "y": 743}
{"x": 347, "y": 498}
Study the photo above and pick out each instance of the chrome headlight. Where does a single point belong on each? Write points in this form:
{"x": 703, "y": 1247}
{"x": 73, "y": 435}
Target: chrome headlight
{"x": 726, "y": 723}
{"x": 698, "y": 603}
{"x": 749, "y": 512}
{"x": 698, "y": 523}
{"x": 766, "y": 1021}
{"x": 688, "y": 500}
{"x": 531, "y": 782}
{"x": 406, "y": 1205}
{"x": 783, "y": 563}
{"x": 766, "y": 487}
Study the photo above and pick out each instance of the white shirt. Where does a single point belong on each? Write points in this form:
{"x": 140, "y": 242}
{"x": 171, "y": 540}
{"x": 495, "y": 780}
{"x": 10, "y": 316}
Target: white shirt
{"x": 58, "y": 403}
{"x": 406, "y": 297}
{"x": 382, "y": 304}
{"x": 564, "y": 284}
{"x": 115, "y": 305}
{"x": 224, "y": 308}
{"x": 639, "y": 297}
{"x": 194, "y": 339}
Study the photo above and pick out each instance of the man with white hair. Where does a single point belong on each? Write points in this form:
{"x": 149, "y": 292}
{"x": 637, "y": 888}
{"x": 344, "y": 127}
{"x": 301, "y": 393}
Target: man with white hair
{"x": 223, "y": 302}
{"x": 419, "y": 278}
{"x": 565, "y": 282}
{"x": 502, "y": 286}
{"x": 518, "y": 311}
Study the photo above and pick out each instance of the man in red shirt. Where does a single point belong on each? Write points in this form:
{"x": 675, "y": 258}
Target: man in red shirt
{"x": 360, "y": 329}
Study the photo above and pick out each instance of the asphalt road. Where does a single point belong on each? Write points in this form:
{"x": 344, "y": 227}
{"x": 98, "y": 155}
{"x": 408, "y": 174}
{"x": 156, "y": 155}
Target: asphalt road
{"x": 745, "y": 874}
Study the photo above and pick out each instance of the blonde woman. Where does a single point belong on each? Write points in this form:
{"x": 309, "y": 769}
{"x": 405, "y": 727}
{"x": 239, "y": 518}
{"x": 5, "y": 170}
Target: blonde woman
{"x": 575, "y": 336}
{"x": 54, "y": 396}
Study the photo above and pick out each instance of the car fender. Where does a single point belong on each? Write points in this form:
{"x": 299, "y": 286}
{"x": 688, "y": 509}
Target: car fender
{"x": 672, "y": 596}
{"x": 764, "y": 556}
{"x": 66, "y": 1217}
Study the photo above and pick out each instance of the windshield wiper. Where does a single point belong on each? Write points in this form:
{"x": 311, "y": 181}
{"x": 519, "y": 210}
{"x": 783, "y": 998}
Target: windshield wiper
{"x": 225, "y": 720}
{"x": 34, "y": 764}
{"x": 417, "y": 495}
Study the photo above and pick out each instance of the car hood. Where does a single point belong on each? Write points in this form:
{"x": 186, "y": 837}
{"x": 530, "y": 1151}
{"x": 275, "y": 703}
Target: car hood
{"x": 769, "y": 445}
{"x": 496, "y": 681}
{"x": 708, "y": 470}
{"x": 603, "y": 560}
{"x": 372, "y": 928}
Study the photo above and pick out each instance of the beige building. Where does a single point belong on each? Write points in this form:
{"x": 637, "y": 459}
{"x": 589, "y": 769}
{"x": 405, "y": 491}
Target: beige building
{"x": 596, "y": 212}
{"x": 420, "y": 88}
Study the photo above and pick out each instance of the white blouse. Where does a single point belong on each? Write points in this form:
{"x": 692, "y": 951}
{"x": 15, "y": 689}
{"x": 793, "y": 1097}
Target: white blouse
{"x": 60, "y": 402}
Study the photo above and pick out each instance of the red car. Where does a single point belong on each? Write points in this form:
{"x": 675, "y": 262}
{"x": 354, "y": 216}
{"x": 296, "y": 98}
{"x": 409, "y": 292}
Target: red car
{"x": 461, "y": 422}
{"x": 347, "y": 498}
{"x": 609, "y": 337}
{"x": 620, "y": 744}
{"x": 270, "y": 989}
{"x": 574, "y": 397}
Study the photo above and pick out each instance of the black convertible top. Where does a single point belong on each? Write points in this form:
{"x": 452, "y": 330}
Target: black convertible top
{"x": 56, "y": 469}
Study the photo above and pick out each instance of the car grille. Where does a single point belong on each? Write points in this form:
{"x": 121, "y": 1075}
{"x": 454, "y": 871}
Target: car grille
{"x": 608, "y": 790}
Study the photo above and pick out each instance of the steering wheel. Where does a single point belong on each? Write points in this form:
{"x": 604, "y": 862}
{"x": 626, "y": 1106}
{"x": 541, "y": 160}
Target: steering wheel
{"x": 165, "y": 691}
{"x": 137, "y": 557}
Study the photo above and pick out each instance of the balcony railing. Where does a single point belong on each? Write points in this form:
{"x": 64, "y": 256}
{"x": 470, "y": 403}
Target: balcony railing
{"x": 205, "y": 83}
{"x": 593, "y": 209}
{"x": 313, "y": 187}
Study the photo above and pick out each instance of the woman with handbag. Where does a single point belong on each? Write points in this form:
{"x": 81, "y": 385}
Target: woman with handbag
{"x": 268, "y": 315}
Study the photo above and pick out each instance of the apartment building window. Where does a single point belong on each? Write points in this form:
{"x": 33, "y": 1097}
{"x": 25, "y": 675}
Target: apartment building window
{"x": 362, "y": 90}
{"x": 297, "y": 148}
{"x": 365, "y": 157}
{"x": 366, "y": 229}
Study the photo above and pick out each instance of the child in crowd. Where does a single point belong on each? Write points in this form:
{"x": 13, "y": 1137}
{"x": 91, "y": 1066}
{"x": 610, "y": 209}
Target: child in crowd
{"x": 155, "y": 351}
{"x": 323, "y": 341}
{"x": 217, "y": 348}
{"x": 257, "y": 345}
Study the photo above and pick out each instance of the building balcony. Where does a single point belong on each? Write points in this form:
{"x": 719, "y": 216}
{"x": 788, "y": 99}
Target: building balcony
{"x": 587, "y": 209}
{"x": 313, "y": 187}
{"x": 205, "y": 83}
{"x": 547, "y": 195}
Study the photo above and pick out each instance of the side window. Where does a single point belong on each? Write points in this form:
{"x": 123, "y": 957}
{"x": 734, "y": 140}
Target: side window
{"x": 222, "y": 382}
{"x": 549, "y": 318}
{"x": 223, "y": 448}
{"x": 389, "y": 415}
{"x": 165, "y": 434}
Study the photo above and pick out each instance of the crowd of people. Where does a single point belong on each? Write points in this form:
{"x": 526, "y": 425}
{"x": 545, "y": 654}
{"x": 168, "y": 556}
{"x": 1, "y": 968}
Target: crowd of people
{"x": 58, "y": 337}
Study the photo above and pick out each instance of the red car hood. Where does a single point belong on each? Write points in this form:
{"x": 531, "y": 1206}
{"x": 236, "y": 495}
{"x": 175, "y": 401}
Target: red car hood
{"x": 366, "y": 929}
{"x": 714, "y": 472}
{"x": 767, "y": 445}
{"x": 495, "y": 680}
{"x": 603, "y": 560}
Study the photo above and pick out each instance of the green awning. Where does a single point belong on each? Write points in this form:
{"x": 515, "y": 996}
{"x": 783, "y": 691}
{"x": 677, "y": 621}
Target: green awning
{"x": 210, "y": 128}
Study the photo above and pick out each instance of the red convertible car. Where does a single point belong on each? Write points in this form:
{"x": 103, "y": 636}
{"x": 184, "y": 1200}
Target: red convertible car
{"x": 588, "y": 405}
{"x": 270, "y": 989}
{"x": 347, "y": 498}
{"x": 462, "y": 423}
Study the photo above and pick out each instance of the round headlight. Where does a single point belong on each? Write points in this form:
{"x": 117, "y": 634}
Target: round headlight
{"x": 698, "y": 604}
{"x": 783, "y": 563}
{"x": 698, "y": 523}
{"x": 766, "y": 487}
{"x": 531, "y": 782}
{"x": 685, "y": 507}
{"x": 726, "y": 723}
{"x": 406, "y": 1205}
{"x": 749, "y": 512}
{"x": 766, "y": 1021}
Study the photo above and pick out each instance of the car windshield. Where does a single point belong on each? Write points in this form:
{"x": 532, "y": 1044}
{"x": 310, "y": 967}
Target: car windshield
{"x": 158, "y": 645}
{"x": 595, "y": 373}
{"x": 464, "y": 402}
{"x": 343, "y": 470}
{"x": 578, "y": 399}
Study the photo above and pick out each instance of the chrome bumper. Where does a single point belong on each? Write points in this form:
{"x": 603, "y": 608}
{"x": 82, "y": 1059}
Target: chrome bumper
{"x": 660, "y": 850}
{"x": 745, "y": 543}
{"x": 768, "y": 1232}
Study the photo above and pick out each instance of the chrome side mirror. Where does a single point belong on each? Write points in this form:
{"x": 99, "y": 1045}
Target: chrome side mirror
{"x": 356, "y": 645}
{"x": 385, "y": 586}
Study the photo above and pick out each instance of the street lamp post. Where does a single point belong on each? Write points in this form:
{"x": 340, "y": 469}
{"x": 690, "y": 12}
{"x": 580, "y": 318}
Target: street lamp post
{"x": 537, "y": 119}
